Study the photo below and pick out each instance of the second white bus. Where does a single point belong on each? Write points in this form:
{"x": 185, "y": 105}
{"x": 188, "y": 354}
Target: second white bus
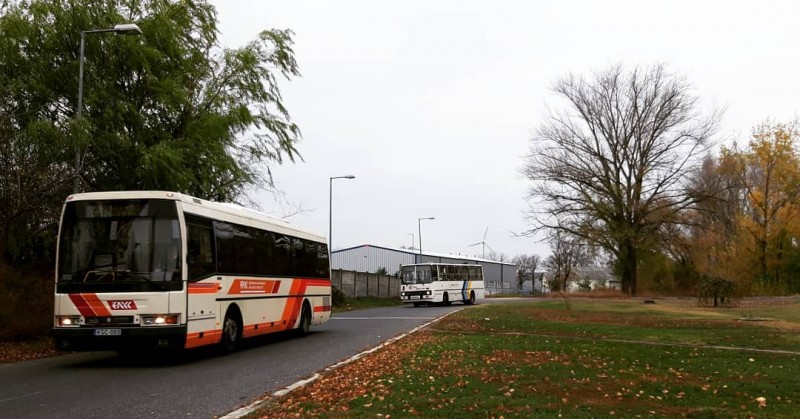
{"x": 441, "y": 283}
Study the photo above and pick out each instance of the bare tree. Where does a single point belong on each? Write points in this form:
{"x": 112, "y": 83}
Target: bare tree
{"x": 526, "y": 269}
{"x": 568, "y": 252}
{"x": 612, "y": 168}
{"x": 497, "y": 256}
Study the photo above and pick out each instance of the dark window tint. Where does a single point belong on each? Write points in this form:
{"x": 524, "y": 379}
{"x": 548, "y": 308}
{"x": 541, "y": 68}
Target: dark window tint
{"x": 245, "y": 250}
{"x": 200, "y": 250}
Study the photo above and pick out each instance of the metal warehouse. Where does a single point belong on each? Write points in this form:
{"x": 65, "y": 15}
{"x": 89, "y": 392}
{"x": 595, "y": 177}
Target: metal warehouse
{"x": 499, "y": 276}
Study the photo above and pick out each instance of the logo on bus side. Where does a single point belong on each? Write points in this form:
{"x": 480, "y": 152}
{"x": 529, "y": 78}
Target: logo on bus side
{"x": 122, "y": 304}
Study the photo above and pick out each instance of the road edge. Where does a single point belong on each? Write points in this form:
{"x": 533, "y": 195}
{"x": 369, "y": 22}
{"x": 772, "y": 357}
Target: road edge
{"x": 252, "y": 407}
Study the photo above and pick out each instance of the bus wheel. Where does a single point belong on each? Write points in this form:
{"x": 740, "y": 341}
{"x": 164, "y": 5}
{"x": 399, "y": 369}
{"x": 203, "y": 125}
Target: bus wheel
{"x": 416, "y": 304}
{"x": 231, "y": 331}
{"x": 471, "y": 300}
{"x": 445, "y": 299}
{"x": 305, "y": 321}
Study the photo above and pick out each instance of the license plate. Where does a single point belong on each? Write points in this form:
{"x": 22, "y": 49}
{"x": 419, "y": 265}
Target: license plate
{"x": 108, "y": 332}
{"x": 415, "y": 297}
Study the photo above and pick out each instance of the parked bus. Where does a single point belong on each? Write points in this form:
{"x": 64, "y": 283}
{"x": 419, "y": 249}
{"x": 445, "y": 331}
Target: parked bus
{"x": 149, "y": 269}
{"x": 441, "y": 283}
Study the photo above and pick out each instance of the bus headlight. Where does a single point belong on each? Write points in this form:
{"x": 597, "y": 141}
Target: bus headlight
{"x": 68, "y": 321}
{"x": 158, "y": 319}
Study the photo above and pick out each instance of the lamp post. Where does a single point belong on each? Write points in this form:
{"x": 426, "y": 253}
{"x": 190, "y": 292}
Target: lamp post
{"x": 412, "y": 240}
{"x": 121, "y": 29}
{"x": 330, "y": 209}
{"x": 419, "y": 227}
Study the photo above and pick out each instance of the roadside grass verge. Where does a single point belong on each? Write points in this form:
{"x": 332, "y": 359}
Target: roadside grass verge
{"x": 669, "y": 322}
{"x": 361, "y": 303}
{"x": 541, "y": 360}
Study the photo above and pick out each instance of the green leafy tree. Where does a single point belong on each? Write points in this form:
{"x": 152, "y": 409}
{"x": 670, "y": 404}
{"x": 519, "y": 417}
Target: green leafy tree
{"x": 168, "y": 109}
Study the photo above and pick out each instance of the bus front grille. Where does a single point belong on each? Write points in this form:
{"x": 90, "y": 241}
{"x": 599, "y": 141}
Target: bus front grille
{"x": 107, "y": 321}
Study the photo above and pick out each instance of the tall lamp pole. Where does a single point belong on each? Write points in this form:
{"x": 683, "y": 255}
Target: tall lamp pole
{"x": 419, "y": 227}
{"x": 121, "y": 29}
{"x": 330, "y": 209}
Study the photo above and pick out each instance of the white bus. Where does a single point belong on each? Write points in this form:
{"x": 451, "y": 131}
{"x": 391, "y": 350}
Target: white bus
{"x": 441, "y": 283}
{"x": 150, "y": 269}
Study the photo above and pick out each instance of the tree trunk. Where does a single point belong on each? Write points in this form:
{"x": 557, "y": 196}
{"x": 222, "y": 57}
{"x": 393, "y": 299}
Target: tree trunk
{"x": 762, "y": 245}
{"x": 629, "y": 262}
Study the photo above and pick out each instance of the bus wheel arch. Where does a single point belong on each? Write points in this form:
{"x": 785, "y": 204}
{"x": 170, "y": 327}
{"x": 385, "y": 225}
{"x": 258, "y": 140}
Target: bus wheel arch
{"x": 305, "y": 319}
{"x": 471, "y": 299}
{"x": 231, "y": 329}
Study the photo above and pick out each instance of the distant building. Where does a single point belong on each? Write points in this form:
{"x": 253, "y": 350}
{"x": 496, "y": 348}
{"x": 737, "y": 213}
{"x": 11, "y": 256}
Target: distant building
{"x": 500, "y": 277}
{"x": 593, "y": 277}
{"x": 535, "y": 287}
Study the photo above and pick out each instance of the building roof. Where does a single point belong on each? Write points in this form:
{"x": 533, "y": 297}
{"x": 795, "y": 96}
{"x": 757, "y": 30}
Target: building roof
{"x": 426, "y": 253}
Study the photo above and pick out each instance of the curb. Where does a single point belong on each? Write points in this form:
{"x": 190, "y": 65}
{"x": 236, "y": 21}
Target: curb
{"x": 252, "y": 407}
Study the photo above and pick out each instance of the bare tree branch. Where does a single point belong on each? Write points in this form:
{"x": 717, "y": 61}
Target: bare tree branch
{"x": 614, "y": 165}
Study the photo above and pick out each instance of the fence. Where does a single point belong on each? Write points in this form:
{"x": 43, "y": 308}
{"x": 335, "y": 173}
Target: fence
{"x": 363, "y": 284}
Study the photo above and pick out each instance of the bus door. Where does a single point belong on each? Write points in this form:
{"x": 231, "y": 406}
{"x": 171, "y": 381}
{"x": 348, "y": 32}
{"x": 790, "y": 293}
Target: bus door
{"x": 204, "y": 285}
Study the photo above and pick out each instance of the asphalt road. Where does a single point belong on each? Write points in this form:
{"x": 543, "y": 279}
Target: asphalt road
{"x": 202, "y": 384}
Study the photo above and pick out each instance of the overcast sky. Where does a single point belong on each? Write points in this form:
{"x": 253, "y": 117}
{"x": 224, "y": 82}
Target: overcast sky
{"x": 431, "y": 104}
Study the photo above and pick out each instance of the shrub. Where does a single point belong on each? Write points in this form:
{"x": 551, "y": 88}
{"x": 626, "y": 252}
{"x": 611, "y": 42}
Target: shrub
{"x": 339, "y": 299}
{"x": 717, "y": 289}
{"x": 26, "y": 305}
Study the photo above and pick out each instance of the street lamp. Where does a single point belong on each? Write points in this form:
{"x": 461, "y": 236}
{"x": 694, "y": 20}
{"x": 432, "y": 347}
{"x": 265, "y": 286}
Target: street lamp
{"x": 419, "y": 227}
{"x": 121, "y": 29}
{"x": 330, "y": 209}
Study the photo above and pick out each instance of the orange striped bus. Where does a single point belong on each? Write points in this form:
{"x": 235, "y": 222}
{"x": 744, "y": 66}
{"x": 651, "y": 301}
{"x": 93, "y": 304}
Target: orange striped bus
{"x": 143, "y": 270}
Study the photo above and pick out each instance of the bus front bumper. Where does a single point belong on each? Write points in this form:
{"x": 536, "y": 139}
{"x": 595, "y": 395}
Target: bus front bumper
{"x": 416, "y": 297}
{"x": 119, "y": 339}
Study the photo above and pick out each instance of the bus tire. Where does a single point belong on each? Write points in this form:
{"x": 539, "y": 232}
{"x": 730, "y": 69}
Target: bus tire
{"x": 471, "y": 299}
{"x": 231, "y": 330}
{"x": 445, "y": 299}
{"x": 305, "y": 320}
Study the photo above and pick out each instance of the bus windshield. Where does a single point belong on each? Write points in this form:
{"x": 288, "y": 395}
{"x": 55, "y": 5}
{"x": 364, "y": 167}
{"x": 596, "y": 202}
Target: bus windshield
{"x": 416, "y": 275}
{"x": 120, "y": 245}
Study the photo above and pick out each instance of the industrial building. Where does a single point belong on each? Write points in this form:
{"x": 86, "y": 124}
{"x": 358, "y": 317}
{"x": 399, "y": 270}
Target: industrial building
{"x": 500, "y": 277}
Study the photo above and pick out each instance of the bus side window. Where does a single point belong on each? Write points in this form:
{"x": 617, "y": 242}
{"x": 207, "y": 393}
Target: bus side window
{"x": 200, "y": 251}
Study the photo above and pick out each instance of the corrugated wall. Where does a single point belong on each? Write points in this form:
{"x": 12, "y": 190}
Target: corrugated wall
{"x": 370, "y": 259}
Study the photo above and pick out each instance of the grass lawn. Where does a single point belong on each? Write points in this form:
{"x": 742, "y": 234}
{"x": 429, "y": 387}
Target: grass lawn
{"x": 600, "y": 358}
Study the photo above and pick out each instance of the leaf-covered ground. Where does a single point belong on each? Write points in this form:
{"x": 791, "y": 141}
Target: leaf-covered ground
{"x": 15, "y": 351}
{"x": 484, "y": 362}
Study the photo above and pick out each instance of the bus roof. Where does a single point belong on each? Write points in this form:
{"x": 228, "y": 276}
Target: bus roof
{"x": 220, "y": 208}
